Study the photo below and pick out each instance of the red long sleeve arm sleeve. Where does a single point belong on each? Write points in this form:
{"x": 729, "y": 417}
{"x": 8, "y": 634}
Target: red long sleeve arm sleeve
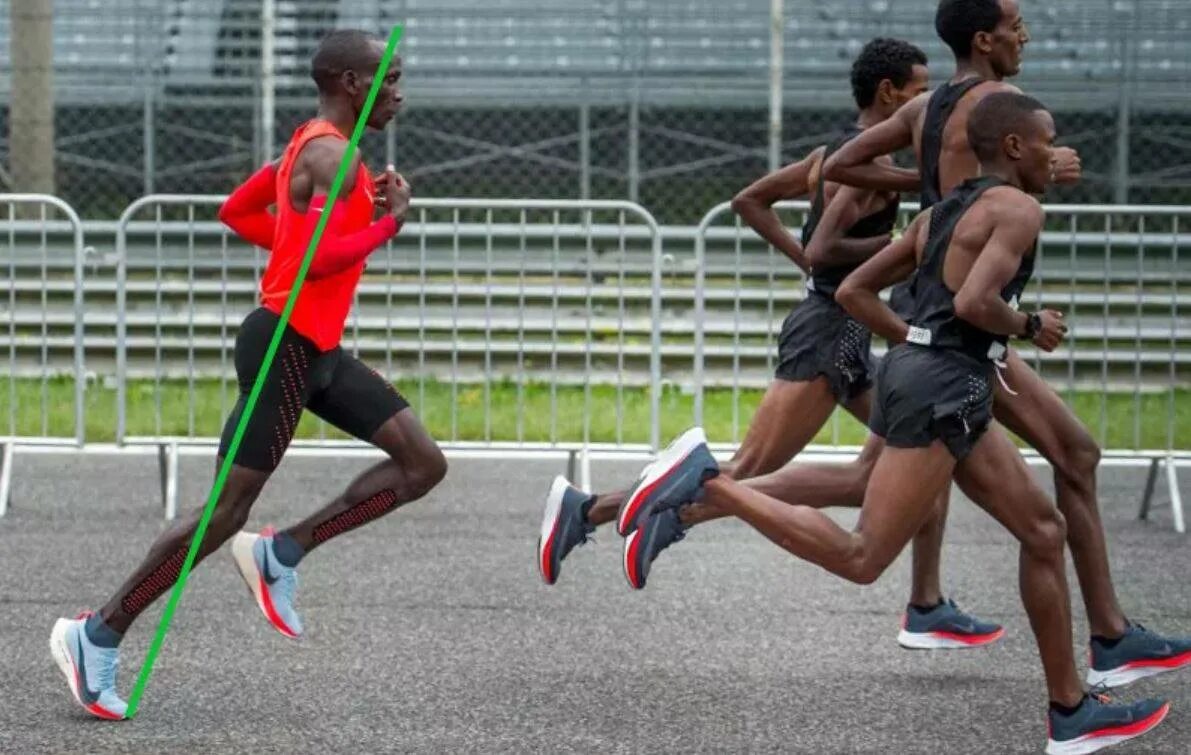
{"x": 336, "y": 250}
{"x": 246, "y": 211}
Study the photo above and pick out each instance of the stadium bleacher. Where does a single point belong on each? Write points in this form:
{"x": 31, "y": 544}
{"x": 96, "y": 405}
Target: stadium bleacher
{"x": 107, "y": 46}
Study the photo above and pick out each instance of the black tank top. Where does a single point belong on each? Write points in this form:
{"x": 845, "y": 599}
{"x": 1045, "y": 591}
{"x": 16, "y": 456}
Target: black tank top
{"x": 825, "y": 280}
{"x": 938, "y": 112}
{"x": 934, "y": 303}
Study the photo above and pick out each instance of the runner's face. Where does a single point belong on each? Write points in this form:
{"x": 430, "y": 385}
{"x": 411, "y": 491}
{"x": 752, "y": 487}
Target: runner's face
{"x": 1008, "y": 40}
{"x": 388, "y": 98}
{"x": 919, "y": 82}
{"x": 1036, "y": 164}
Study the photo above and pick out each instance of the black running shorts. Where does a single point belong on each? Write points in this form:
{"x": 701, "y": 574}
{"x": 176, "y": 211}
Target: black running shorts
{"x": 926, "y": 394}
{"x": 334, "y": 385}
{"x": 819, "y": 339}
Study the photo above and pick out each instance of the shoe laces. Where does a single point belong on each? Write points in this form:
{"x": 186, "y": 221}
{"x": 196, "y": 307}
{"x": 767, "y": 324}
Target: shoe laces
{"x": 1100, "y": 693}
{"x": 107, "y": 662}
{"x": 286, "y": 585}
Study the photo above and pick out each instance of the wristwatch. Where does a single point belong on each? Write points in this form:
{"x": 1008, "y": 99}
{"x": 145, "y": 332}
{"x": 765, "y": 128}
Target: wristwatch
{"x": 1033, "y": 325}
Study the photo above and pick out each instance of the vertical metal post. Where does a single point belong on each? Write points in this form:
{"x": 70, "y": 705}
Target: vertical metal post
{"x": 1176, "y": 500}
{"x": 6, "y": 451}
{"x": 634, "y": 144}
{"x": 391, "y": 146}
{"x": 1124, "y": 109}
{"x": 1124, "y": 106}
{"x": 655, "y": 356}
{"x": 150, "y": 142}
{"x": 80, "y": 373}
{"x": 776, "y": 66}
{"x": 268, "y": 77}
{"x": 31, "y": 116}
{"x": 585, "y": 151}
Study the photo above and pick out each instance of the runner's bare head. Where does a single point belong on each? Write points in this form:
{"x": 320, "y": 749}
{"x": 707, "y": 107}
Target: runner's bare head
{"x": 343, "y": 68}
{"x": 1013, "y": 136}
{"x": 992, "y": 30}
{"x": 887, "y": 74}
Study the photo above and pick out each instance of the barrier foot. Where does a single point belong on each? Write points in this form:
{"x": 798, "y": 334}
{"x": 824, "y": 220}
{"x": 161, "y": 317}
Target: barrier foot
{"x": 6, "y": 451}
{"x": 1176, "y": 500}
{"x": 572, "y": 455}
{"x": 1148, "y": 496}
{"x": 585, "y": 470}
{"x": 167, "y": 466}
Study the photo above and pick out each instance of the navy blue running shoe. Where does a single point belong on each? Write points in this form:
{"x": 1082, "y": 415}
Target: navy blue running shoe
{"x": 1100, "y": 723}
{"x": 1137, "y": 654}
{"x": 563, "y": 527}
{"x": 675, "y": 478}
{"x": 661, "y": 530}
{"x": 945, "y": 627}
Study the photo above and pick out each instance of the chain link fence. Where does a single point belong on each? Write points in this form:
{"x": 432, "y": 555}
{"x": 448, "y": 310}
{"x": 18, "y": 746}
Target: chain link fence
{"x": 664, "y": 102}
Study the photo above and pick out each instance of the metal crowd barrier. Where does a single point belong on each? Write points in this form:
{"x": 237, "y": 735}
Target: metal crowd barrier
{"x": 1119, "y": 273}
{"x": 504, "y": 321}
{"x": 42, "y": 240}
{"x": 498, "y": 318}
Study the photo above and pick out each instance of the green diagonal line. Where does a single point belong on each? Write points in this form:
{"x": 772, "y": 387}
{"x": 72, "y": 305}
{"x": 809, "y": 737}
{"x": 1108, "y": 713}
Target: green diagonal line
{"x": 221, "y": 478}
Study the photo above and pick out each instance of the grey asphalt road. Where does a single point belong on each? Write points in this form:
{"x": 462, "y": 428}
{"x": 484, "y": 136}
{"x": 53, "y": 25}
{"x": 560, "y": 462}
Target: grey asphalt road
{"x": 430, "y": 631}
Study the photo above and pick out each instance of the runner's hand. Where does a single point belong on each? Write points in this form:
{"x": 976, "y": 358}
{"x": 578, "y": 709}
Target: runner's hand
{"x": 1066, "y": 167}
{"x": 398, "y": 193}
{"x": 1052, "y": 332}
{"x": 380, "y": 184}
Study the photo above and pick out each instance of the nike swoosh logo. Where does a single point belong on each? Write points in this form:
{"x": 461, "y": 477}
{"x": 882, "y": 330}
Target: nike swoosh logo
{"x": 85, "y": 692}
{"x": 269, "y": 577}
{"x": 969, "y": 628}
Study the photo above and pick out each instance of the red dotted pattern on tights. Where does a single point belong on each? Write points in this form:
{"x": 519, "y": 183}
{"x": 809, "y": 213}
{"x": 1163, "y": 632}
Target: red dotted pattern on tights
{"x": 292, "y": 383}
{"x": 159, "y": 580}
{"x": 364, "y": 511}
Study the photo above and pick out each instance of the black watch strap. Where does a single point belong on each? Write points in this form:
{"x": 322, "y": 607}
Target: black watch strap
{"x": 1033, "y": 325}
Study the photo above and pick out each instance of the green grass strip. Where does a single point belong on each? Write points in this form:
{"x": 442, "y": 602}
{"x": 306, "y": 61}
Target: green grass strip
{"x": 225, "y": 468}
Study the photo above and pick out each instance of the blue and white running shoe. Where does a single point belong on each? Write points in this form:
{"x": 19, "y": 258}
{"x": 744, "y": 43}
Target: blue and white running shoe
{"x": 90, "y": 670}
{"x": 272, "y": 584}
{"x": 1137, "y": 654}
{"x": 1100, "y": 723}
{"x": 675, "y": 478}
{"x": 563, "y": 527}
{"x": 658, "y": 531}
{"x": 945, "y": 627}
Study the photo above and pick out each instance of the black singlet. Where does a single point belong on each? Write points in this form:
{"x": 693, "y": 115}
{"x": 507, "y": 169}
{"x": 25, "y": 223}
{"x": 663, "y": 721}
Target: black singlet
{"x": 934, "y": 304}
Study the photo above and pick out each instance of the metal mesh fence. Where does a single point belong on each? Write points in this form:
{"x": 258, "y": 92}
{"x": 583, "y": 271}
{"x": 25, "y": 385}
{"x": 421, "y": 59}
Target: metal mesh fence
{"x": 662, "y": 102}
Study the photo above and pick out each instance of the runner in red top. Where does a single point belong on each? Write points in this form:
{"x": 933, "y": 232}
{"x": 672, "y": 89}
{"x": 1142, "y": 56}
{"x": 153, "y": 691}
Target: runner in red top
{"x": 310, "y": 371}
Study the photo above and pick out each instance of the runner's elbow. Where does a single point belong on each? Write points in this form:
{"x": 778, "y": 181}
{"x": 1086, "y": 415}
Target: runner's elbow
{"x": 743, "y": 202}
{"x": 834, "y": 169}
{"x": 846, "y": 294}
{"x": 968, "y": 307}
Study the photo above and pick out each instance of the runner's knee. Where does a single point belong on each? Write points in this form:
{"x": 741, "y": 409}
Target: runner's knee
{"x": 427, "y": 470}
{"x": 235, "y": 504}
{"x": 1078, "y": 461}
{"x": 864, "y": 566}
{"x": 1046, "y": 536}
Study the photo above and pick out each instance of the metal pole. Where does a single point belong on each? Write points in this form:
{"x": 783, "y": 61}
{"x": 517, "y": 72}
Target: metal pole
{"x": 634, "y": 145}
{"x": 31, "y": 117}
{"x": 1124, "y": 108}
{"x": 585, "y": 151}
{"x": 268, "y": 78}
{"x": 150, "y": 157}
{"x": 776, "y": 65}
{"x": 391, "y": 143}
